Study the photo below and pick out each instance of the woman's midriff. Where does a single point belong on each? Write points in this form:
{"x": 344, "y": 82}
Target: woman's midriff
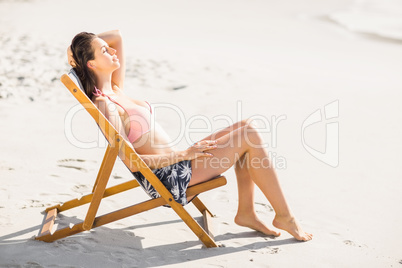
{"x": 156, "y": 141}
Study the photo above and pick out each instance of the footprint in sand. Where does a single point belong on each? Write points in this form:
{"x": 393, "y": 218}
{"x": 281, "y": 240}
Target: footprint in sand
{"x": 34, "y": 204}
{"x": 32, "y": 264}
{"x": 71, "y": 160}
{"x": 273, "y": 250}
{"x": 14, "y": 81}
{"x": 351, "y": 243}
{"x": 267, "y": 250}
{"x": 6, "y": 168}
{"x": 266, "y": 206}
{"x": 71, "y": 245}
{"x": 81, "y": 188}
{"x": 74, "y": 167}
{"x": 73, "y": 163}
{"x": 117, "y": 177}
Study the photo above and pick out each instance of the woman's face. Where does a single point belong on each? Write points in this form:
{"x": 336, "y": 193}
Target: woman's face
{"x": 105, "y": 57}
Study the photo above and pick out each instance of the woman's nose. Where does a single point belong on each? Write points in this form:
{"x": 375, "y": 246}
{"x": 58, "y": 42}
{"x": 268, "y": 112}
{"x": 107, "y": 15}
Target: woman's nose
{"x": 111, "y": 51}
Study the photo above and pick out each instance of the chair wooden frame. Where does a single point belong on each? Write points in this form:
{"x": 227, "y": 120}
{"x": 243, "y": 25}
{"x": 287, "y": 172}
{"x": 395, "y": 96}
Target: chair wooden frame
{"x": 118, "y": 146}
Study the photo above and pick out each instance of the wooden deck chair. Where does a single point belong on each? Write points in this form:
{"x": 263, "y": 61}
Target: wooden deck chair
{"x": 117, "y": 144}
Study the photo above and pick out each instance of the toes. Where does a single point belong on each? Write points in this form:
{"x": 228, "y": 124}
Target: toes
{"x": 309, "y": 236}
{"x": 279, "y": 233}
{"x": 305, "y": 237}
{"x": 273, "y": 232}
{"x": 276, "y": 234}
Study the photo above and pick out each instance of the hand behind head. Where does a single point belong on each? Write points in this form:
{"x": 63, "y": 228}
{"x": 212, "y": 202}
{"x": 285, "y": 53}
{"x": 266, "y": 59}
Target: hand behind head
{"x": 70, "y": 57}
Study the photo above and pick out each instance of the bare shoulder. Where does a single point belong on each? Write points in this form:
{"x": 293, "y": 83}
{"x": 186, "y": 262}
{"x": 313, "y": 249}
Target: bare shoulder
{"x": 117, "y": 89}
{"x": 121, "y": 93}
{"x": 100, "y": 102}
{"x": 98, "y": 99}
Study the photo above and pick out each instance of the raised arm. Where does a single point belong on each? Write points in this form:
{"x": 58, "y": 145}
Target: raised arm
{"x": 115, "y": 40}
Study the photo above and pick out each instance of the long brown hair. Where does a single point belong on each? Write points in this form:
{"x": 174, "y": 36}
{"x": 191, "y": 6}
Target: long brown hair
{"x": 82, "y": 50}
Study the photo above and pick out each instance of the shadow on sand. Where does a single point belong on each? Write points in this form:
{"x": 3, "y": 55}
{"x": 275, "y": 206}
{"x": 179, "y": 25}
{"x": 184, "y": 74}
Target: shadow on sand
{"x": 104, "y": 246}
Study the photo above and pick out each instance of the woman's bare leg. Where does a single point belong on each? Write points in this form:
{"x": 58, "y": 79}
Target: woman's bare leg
{"x": 246, "y": 215}
{"x": 228, "y": 129}
{"x": 235, "y": 144}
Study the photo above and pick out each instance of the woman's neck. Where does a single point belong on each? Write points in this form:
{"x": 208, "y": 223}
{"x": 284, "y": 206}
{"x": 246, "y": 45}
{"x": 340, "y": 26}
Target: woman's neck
{"x": 104, "y": 83}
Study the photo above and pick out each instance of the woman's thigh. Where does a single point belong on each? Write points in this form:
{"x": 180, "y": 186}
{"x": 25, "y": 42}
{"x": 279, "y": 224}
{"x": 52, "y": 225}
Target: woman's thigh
{"x": 231, "y": 147}
{"x": 227, "y": 130}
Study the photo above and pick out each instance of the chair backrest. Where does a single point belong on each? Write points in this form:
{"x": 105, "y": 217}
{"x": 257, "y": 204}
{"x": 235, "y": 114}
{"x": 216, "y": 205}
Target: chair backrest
{"x": 126, "y": 152}
{"x": 73, "y": 75}
{"x": 91, "y": 108}
{"x": 129, "y": 156}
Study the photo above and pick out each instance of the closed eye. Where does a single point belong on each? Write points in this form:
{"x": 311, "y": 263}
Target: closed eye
{"x": 104, "y": 49}
{"x": 109, "y": 50}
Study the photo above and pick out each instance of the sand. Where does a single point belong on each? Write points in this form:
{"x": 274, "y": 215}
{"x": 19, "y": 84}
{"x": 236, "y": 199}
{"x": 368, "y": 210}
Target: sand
{"x": 217, "y": 62}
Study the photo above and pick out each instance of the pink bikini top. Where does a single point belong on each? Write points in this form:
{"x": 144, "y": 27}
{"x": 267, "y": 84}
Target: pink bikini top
{"x": 139, "y": 116}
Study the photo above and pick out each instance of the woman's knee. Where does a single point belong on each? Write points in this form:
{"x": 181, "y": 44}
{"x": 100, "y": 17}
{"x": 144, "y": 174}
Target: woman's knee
{"x": 252, "y": 136}
{"x": 244, "y": 136}
{"x": 247, "y": 122}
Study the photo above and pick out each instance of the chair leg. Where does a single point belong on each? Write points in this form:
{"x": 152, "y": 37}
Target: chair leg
{"x": 205, "y": 238}
{"x": 99, "y": 221}
{"x": 48, "y": 222}
{"x": 201, "y": 207}
{"x": 207, "y": 216}
{"x": 100, "y": 185}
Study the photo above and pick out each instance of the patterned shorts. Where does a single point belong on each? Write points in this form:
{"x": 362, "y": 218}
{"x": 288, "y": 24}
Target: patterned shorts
{"x": 175, "y": 178}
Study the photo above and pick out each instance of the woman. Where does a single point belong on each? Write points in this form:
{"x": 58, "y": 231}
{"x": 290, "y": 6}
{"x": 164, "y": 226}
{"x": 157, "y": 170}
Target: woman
{"x": 99, "y": 62}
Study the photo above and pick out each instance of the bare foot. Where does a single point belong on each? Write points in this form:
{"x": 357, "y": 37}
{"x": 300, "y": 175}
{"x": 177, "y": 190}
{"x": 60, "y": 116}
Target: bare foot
{"x": 290, "y": 225}
{"x": 251, "y": 221}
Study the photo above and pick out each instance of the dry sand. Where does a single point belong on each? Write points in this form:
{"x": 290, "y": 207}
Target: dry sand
{"x": 234, "y": 59}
